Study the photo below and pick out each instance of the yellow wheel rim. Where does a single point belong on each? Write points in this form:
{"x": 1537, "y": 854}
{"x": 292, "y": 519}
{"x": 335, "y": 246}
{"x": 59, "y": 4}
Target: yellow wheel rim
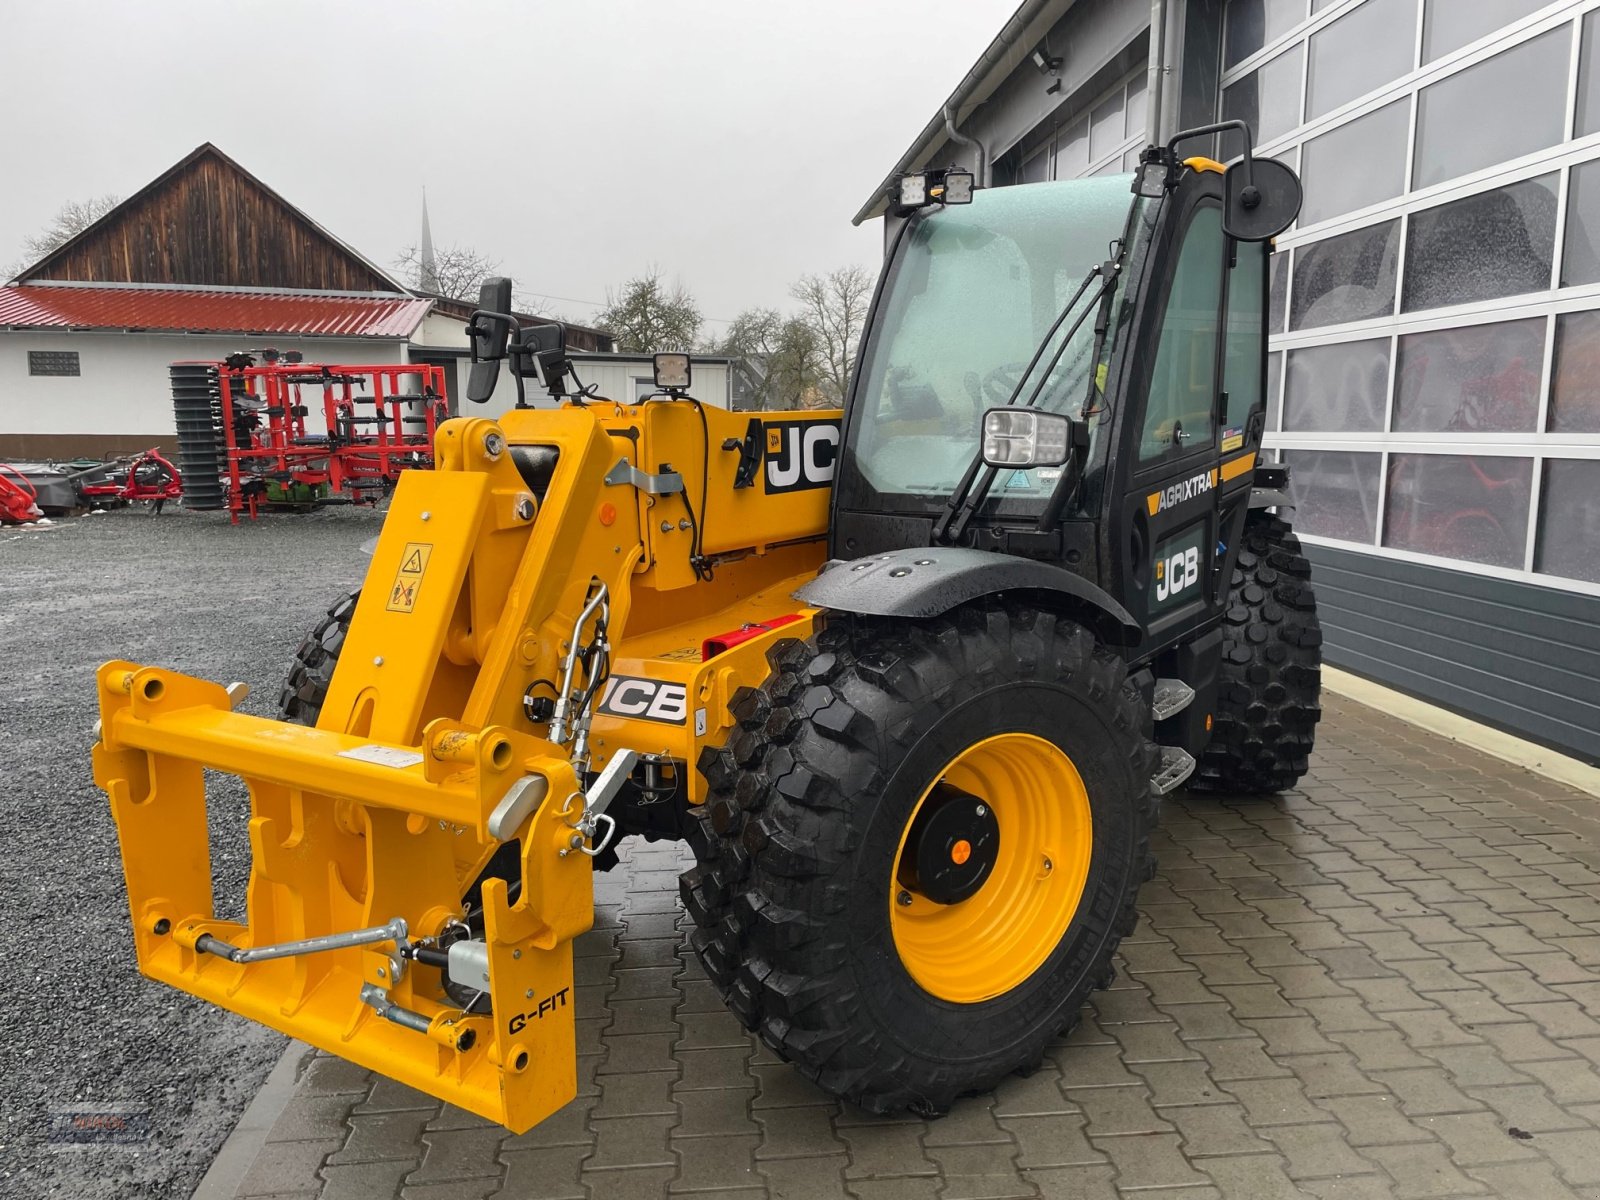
{"x": 989, "y": 943}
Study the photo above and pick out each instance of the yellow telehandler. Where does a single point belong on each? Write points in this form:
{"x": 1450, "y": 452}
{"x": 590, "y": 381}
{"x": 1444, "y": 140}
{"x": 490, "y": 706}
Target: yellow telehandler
{"x": 910, "y": 679}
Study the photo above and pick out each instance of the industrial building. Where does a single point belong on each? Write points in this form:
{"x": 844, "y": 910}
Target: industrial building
{"x": 1434, "y": 374}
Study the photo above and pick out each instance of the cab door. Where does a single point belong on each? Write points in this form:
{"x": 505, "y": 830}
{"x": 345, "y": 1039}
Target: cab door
{"x": 1170, "y": 477}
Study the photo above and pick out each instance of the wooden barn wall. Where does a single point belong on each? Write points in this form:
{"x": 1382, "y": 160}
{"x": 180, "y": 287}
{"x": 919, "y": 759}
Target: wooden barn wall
{"x": 211, "y": 225}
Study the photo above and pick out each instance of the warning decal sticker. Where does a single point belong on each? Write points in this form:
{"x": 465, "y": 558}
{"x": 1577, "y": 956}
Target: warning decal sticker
{"x": 408, "y": 579}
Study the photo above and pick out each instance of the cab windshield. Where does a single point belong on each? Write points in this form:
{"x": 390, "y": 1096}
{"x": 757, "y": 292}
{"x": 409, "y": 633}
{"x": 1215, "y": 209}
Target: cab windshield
{"x": 972, "y": 291}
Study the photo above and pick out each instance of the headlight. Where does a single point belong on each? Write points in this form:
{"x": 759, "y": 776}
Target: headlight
{"x": 1025, "y": 437}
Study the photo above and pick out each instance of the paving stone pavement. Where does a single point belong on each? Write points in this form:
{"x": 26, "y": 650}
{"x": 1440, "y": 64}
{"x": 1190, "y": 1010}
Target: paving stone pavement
{"x": 1385, "y": 984}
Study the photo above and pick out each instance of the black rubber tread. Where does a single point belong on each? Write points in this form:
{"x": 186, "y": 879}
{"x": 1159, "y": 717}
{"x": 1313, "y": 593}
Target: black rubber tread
{"x": 784, "y": 896}
{"x": 311, "y": 673}
{"x": 1270, "y": 680}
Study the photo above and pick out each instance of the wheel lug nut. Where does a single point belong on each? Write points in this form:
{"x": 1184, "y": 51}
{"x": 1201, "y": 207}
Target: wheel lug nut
{"x": 904, "y": 898}
{"x": 1048, "y": 865}
{"x": 981, "y": 810}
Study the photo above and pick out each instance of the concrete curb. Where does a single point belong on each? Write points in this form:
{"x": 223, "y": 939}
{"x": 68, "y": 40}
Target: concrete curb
{"x": 1529, "y": 755}
{"x": 238, "y": 1153}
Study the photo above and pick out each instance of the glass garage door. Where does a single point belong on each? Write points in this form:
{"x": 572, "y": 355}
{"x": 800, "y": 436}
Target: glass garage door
{"x": 1435, "y": 366}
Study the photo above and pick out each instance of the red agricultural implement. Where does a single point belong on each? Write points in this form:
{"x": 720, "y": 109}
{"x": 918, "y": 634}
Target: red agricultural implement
{"x": 17, "y": 497}
{"x": 148, "y": 478}
{"x": 288, "y": 432}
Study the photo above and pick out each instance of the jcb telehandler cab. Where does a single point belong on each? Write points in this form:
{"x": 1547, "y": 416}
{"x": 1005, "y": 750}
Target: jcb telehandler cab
{"x": 910, "y": 680}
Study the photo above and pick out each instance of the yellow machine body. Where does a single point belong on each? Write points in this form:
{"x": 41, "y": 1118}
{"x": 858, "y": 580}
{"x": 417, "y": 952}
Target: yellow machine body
{"x": 386, "y": 810}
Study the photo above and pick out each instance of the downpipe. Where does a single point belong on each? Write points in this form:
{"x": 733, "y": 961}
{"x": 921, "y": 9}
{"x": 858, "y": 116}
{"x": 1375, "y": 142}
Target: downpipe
{"x": 980, "y": 155}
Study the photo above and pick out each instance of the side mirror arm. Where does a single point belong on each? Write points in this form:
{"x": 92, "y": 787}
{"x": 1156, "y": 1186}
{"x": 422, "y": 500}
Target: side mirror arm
{"x": 1242, "y": 128}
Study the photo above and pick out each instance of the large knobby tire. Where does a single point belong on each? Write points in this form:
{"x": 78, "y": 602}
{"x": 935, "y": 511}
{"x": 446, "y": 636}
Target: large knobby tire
{"x": 306, "y": 687}
{"x": 1270, "y": 680}
{"x": 810, "y": 800}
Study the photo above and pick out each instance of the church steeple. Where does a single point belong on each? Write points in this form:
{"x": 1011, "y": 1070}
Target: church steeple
{"x": 428, "y": 272}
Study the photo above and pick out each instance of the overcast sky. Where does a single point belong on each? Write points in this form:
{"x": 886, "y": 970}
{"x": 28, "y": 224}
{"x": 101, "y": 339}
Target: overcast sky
{"x": 578, "y": 141}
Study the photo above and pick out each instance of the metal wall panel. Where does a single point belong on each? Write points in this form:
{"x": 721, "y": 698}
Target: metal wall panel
{"x": 1521, "y": 657}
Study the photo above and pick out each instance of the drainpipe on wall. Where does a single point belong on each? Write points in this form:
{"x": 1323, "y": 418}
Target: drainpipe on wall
{"x": 980, "y": 165}
{"x": 1155, "y": 91}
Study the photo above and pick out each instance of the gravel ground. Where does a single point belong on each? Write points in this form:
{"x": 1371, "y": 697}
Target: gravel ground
{"x": 188, "y": 591}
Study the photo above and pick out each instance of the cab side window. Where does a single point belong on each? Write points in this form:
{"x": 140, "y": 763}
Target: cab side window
{"x": 1244, "y": 354}
{"x": 1180, "y": 412}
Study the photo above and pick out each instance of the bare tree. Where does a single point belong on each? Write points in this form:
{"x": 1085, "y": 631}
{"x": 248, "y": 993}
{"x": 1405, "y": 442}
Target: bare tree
{"x": 834, "y": 306}
{"x": 781, "y": 356}
{"x": 647, "y": 316}
{"x": 72, "y": 220}
{"x": 459, "y": 270}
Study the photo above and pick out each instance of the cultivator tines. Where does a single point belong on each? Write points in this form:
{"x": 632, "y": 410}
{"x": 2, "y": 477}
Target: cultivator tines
{"x": 301, "y": 433}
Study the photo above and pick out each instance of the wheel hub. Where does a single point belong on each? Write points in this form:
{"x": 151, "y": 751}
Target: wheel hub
{"x": 973, "y": 913}
{"x": 951, "y": 846}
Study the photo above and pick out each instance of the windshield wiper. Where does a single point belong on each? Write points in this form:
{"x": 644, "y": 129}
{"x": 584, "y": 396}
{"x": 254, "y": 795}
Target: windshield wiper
{"x": 974, "y": 487}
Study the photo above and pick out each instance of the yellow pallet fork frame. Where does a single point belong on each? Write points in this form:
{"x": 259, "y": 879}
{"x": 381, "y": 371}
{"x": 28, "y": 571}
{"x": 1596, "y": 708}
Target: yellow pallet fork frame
{"x": 390, "y": 808}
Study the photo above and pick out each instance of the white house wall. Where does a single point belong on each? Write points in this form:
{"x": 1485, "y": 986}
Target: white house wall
{"x": 123, "y": 387}
{"x": 611, "y": 379}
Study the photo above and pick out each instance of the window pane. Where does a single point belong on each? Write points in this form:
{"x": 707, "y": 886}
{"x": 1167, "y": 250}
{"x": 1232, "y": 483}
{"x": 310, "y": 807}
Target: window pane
{"x": 1507, "y": 106}
{"x": 1377, "y": 141}
{"x": 1254, "y": 23}
{"x": 1274, "y": 389}
{"x": 1278, "y": 290}
{"x": 1360, "y": 51}
{"x": 1037, "y": 168}
{"x": 1337, "y": 388}
{"x": 1588, "y": 117}
{"x": 1247, "y": 338}
{"x": 1136, "y": 110}
{"x": 1569, "y": 520}
{"x": 1072, "y": 151}
{"x": 1183, "y": 393}
{"x": 1105, "y": 128}
{"x": 1580, "y": 261}
{"x": 1494, "y": 244}
{"x": 1480, "y": 379}
{"x": 1450, "y": 24}
{"x": 1473, "y": 507}
{"x": 1575, "y": 374}
{"x": 1345, "y": 278}
{"x": 1335, "y": 493}
{"x": 1268, "y": 100}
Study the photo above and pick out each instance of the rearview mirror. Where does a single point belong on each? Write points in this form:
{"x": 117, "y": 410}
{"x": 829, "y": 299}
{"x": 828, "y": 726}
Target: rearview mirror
{"x": 490, "y": 324}
{"x": 1260, "y": 198}
{"x": 1019, "y": 438}
{"x": 488, "y": 329}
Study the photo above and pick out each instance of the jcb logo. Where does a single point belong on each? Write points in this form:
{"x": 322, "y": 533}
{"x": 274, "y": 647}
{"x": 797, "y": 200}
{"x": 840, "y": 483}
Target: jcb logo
{"x": 645, "y": 699}
{"x": 1177, "y": 572}
{"x": 801, "y": 454}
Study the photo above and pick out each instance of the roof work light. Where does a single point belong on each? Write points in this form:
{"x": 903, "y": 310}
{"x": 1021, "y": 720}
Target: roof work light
{"x": 952, "y": 185}
{"x": 672, "y": 372}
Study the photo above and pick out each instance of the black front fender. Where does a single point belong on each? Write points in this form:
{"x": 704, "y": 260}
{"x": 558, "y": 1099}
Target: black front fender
{"x": 927, "y": 582}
